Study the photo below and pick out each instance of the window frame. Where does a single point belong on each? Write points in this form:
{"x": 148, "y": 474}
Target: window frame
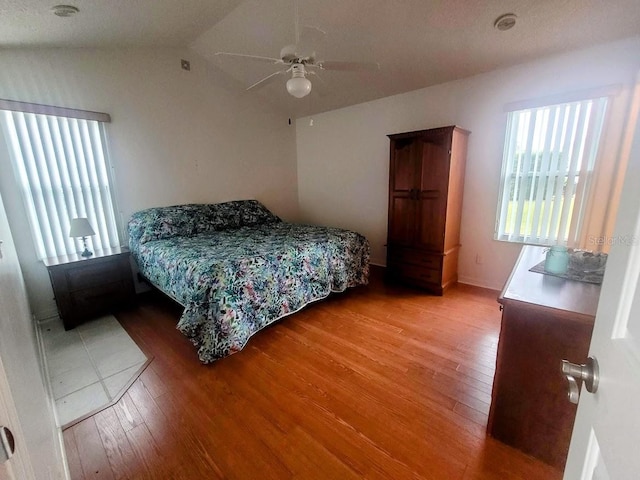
{"x": 572, "y": 220}
{"x": 111, "y": 234}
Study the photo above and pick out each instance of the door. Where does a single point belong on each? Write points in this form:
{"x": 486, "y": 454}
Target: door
{"x": 402, "y": 191}
{"x": 433, "y": 179}
{"x": 16, "y": 467}
{"x": 606, "y": 432}
{"x": 26, "y": 409}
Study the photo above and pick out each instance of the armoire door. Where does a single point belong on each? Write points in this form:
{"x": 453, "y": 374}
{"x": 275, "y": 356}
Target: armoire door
{"x": 403, "y": 179}
{"x": 433, "y": 179}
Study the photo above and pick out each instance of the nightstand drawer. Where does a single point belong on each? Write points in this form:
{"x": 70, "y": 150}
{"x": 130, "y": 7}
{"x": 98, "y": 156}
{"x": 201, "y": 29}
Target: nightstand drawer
{"x": 93, "y": 275}
{"x": 99, "y": 299}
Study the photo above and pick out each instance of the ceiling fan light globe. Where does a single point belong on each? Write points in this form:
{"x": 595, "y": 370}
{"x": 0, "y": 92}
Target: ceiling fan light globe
{"x": 299, "y": 87}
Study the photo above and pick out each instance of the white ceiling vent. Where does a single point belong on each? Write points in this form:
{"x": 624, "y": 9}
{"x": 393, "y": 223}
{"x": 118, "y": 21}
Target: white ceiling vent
{"x": 64, "y": 10}
{"x": 505, "y": 22}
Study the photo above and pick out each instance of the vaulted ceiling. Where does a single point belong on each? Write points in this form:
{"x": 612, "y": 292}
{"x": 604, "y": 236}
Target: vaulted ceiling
{"x": 416, "y": 42}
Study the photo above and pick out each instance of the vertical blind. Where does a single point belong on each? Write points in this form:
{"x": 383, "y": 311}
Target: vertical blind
{"x": 61, "y": 167}
{"x": 547, "y": 170}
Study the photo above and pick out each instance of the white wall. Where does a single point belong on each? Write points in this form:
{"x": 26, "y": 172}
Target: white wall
{"x": 175, "y": 137}
{"x": 343, "y": 159}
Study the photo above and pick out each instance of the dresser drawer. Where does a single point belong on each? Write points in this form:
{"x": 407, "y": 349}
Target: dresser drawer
{"x": 415, "y": 257}
{"x": 414, "y": 273}
{"x": 93, "y": 275}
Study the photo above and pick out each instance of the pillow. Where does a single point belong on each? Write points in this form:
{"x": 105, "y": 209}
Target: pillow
{"x": 163, "y": 222}
{"x": 252, "y": 212}
{"x": 219, "y": 216}
{"x": 186, "y": 220}
{"x": 234, "y": 214}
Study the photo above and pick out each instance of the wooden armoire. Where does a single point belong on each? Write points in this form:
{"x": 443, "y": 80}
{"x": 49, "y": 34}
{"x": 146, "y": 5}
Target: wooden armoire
{"x": 426, "y": 179}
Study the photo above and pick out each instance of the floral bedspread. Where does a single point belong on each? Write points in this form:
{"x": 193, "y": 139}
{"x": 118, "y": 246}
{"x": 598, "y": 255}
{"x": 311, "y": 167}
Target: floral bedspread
{"x": 235, "y": 281}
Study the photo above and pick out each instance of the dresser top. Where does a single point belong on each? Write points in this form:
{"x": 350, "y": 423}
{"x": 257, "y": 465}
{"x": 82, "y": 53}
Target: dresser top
{"x": 546, "y": 290}
{"x": 76, "y": 257}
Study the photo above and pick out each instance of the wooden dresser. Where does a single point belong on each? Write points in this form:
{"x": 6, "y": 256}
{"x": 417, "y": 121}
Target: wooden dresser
{"x": 84, "y": 287}
{"x": 426, "y": 179}
{"x": 545, "y": 319}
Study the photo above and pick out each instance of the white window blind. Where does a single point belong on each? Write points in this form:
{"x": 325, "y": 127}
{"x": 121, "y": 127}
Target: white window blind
{"x": 62, "y": 170}
{"x": 549, "y": 158}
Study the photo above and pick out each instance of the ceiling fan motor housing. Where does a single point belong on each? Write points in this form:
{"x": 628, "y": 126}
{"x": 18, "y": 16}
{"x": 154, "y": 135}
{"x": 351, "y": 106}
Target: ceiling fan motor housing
{"x": 290, "y": 54}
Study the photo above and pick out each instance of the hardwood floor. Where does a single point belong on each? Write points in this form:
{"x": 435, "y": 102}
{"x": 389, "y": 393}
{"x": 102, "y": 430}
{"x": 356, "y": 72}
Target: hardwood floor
{"x": 380, "y": 382}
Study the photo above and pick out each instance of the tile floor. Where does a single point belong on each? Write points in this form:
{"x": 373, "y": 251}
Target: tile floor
{"x": 90, "y": 366}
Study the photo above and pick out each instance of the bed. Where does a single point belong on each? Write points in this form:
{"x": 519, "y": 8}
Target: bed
{"x": 235, "y": 267}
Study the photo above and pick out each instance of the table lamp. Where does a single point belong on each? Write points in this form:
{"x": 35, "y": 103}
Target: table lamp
{"x": 80, "y": 227}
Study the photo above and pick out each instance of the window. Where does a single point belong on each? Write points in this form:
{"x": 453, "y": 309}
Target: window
{"x": 61, "y": 166}
{"x": 549, "y": 158}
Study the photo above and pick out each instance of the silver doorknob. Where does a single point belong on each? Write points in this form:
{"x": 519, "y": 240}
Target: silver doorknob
{"x": 588, "y": 373}
{"x": 7, "y": 444}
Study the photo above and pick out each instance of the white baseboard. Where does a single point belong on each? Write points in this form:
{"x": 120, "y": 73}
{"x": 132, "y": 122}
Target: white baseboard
{"x": 46, "y": 314}
{"x": 44, "y": 366}
{"x": 44, "y": 321}
{"x": 466, "y": 280}
{"x": 478, "y": 283}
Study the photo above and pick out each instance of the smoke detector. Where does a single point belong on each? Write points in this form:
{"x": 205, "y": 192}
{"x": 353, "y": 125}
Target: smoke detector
{"x": 64, "y": 10}
{"x": 505, "y": 22}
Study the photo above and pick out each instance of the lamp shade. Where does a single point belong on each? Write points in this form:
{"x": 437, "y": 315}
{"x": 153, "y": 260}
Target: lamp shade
{"x": 299, "y": 86}
{"x": 80, "y": 227}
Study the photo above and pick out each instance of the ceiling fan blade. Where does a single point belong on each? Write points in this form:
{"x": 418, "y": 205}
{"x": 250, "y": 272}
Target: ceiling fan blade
{"x": 321, "y": 86}
{"x": 250, "y": 57}
{"x": 349, "y": 66}
{"x": 266, "y": 80}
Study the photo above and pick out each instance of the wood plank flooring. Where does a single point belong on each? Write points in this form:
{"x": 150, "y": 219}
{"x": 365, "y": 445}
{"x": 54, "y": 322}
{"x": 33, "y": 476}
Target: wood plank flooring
{"x": 380, "y": 382}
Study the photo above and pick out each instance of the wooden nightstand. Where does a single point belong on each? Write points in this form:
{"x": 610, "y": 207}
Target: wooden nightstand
{"x": 85, "y": 287}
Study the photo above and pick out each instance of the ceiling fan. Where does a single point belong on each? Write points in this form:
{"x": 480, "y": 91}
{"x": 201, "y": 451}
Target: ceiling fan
{"x": 300, "y": 60}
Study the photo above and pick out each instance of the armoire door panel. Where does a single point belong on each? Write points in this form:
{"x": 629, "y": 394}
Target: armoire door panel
{"x": 430, "y": 229}
{"x": 434, "y": 173}
{"x": 404, "y": 168}
{"x": 402, "y": 225}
